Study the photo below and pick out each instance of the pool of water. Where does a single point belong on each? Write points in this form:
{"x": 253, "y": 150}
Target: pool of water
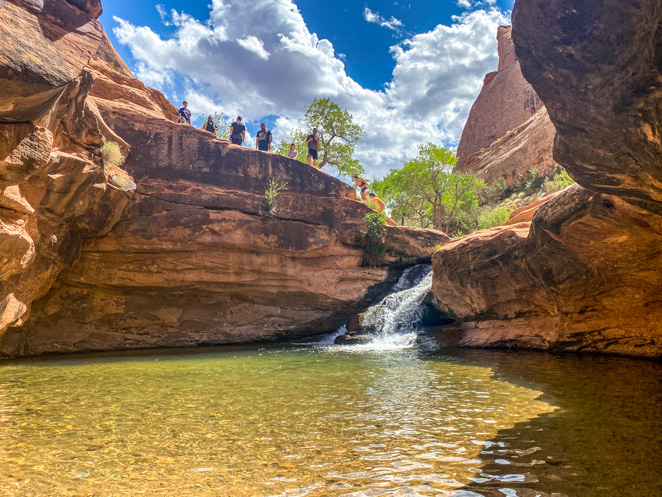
{"x": 327, "y": 421}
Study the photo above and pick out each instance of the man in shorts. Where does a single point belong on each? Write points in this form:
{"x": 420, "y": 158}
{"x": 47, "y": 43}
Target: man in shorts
{"x": 264, "y": 138}
{"x": 185, "y": 114}
{"x": 313, "y": 143}
{"x": 363, "y": 185}
{"x": 237, "y": 131}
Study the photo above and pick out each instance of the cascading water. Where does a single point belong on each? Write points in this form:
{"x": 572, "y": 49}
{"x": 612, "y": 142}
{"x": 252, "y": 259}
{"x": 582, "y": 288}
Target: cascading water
{"x": 397, "y": 319}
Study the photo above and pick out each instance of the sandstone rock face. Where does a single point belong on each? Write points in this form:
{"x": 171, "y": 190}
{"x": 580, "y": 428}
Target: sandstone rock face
{"x": 506, "y": 101}
{"x": 192, "y": 256}
{"x": 584, "y": 274}
{"x": 55, "y": 190}
{"x": 526, "y": 147}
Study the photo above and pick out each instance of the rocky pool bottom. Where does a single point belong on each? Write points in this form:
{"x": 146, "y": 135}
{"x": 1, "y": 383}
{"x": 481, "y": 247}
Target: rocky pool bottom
{"x": 327, "y": 421}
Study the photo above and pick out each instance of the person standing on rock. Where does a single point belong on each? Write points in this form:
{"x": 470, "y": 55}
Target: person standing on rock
{"x": 264, "y": 138}
{"x": 185, "y": 114}
{"x": 292, "y": 152}
{"x": 313, "y": 143}
{"x": 210, "y": 126}
{"x": 363, "y": 185}
{"x": 237, "y": 131}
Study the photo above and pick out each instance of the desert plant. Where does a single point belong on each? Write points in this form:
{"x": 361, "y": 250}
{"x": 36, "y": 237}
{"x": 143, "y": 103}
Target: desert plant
{"x": 372, "y": 238}
{"x": 560, "y": 181}
{"x": 271, "y": 199}
{"x": 529, "y": 180}
{"x": 110, "y": 151}
{"x": 496, "y": 191}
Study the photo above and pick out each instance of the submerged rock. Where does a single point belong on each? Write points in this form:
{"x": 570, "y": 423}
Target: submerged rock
{"x": 584, "y": 274}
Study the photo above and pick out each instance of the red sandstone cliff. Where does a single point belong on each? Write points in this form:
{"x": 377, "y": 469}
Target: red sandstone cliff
{"x": 584, "y": 274}
{"x": 170, "y": 249}
{"x": 506, "y": 101}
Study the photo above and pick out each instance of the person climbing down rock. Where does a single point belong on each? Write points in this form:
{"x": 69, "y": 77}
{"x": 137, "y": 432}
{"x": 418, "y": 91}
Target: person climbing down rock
{"x": 184, "y": 114}
{"x": 263, "y": 139}
{"x": 313, "y": 143}
{"x": 363, "y": 185}
{"x": 378, "y": 201}
{"x": 237, "y": 131}
{"x": 210, "y": 126}
{"x": 292, "y": 152}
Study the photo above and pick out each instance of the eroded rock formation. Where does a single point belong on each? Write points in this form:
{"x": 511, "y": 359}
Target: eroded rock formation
{"x": 506, "y": 101}
{"x": 585, "y": 273}
{"x": 190, "y": 257}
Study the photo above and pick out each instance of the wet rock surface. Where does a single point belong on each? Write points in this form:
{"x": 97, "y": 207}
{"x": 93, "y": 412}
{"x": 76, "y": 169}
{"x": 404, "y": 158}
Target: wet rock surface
{"x": 584, "y": 274}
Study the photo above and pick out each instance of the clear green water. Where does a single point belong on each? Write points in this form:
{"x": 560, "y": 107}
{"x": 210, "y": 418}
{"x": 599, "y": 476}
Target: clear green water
{"x": 330, "y": 421}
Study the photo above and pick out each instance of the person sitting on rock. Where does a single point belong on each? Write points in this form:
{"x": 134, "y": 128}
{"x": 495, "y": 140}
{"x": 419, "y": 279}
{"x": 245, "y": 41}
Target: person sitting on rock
{"x": 263, "y": 139}
{"x": 185, "y": 114}
{"x": 292, "y": 152}
{"x": 237, "y": 131}
{"x": 210, "y": 126}
{"x": 363, "y": 185}
{"x": 378, "y": 201}
{"x": 313, "y": 143}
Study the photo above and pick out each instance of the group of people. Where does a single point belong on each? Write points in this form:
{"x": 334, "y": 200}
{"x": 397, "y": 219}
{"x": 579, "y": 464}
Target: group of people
{"x": 263, "y": 142}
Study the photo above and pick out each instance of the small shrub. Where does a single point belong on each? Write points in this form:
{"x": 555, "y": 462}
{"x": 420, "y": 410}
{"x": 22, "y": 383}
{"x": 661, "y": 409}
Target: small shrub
{"x": 371, "y": 238}
{"x": 497, "y": 191}
{"x": 529, "y": 181}
{"x": 560, "y": 181}
{"x": 489, "y": 218}
{"x": 271, "y": 199}
{"x": 110, "y": 151}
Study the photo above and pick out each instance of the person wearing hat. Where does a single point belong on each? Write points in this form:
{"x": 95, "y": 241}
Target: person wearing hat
{"x": 237, "y": 131}
{"x": 313, "y": 143}
{"x": 380, "y": 203}
{"x": 263, "y": 139}
{"x": 184, "y": 114}
{"x": 210, "y": 126}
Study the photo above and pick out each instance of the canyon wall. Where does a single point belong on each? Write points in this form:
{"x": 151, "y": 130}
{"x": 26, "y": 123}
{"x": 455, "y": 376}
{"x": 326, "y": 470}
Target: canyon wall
{"x": 175, "y": 247}
{"x": 584, "y": 274}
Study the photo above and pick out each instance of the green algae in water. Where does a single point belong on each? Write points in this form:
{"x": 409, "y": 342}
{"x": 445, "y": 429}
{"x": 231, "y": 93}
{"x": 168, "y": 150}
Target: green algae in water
{"x": 266, "y": 423}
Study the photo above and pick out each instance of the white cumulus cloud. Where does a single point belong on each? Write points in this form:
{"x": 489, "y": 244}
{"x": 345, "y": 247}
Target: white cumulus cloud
{"x": 436, "y": 77}
{"x": 374, "y": 17}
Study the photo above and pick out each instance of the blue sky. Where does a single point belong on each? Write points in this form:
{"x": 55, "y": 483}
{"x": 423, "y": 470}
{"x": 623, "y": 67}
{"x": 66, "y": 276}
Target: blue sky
{"x": 395, "y": 65}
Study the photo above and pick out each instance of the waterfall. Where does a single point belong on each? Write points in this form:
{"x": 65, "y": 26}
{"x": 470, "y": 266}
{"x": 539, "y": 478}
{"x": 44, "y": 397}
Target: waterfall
{"x": 403, "y": 310}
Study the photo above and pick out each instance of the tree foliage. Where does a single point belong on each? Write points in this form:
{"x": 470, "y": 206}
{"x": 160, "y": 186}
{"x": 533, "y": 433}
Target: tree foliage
{"x": 338, "y": 134}
{"x": 425, "y": 191}
{"x": 298, "y": 137}
{"x": 220, "y": 120}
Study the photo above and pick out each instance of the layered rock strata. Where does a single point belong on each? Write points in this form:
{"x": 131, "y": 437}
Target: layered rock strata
{"x": 195, "y": 256}
{"x": 55, "y": 189}
{"x": 505, "y": 102}
{"x": 584, "y": 274}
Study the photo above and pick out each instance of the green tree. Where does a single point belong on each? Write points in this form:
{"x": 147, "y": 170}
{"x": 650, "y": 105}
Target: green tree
{"x": 425, "y": 191}
{"x": 298, "y": 137}
{"x": 338, "y": 135}
{"x": 220, "y": 120}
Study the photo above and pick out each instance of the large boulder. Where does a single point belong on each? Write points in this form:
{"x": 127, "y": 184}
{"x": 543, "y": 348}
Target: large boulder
{"x": 584, "y": 274}
{"x": 177, "y": 247}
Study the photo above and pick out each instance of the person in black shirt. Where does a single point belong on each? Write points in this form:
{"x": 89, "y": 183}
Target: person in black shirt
{"x": 363, "y": 185}
{"x": 185, "y": 114}
{"x": 210, "y": 126}
{"x": 237, "y": 132}
{"x": 313, "y": 143}
{"x": 263, "y": 139}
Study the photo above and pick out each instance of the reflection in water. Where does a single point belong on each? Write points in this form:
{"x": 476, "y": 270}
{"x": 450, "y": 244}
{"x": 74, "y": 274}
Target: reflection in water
{"x": 253, "y": 423}
{"x": 325, "y": 422}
